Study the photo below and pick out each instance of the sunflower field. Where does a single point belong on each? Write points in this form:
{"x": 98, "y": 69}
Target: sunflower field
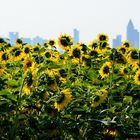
{"x": 88, "y": 92}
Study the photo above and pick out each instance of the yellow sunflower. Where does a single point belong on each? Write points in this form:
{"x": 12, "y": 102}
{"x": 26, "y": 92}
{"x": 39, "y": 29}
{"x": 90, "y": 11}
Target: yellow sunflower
{"x": 63, "y": 99}
{"x": 102, "y": 38}
{"x": 105, "y": 69}
{"x": 16, "y": 53}
{"x": 4, "y": 56}
{"x": 76, "y": 51}
{"x": 137, "y": 77}
{"x": 84, "y": 47}
{"x": 133, "y": 57}
{"x": 51, "y": 43}
{"x": 93, "y": 45}
{"x": 127, "y": 45}
{"x": 99, "y": 98}
{"x": 27, "y": 49}
{"x": 28, "y": 63}
{"x": 65, "y": 41}
{"x": 122, "y": 49}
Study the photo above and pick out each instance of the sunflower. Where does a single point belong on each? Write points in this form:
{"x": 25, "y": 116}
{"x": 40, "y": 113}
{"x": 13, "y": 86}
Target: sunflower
{"x": 16, "y": 53}
{"x": 137, "y": 77}
{"x": 63, "y": 99}
{"x": 99, "y": 98}
{"x": 105, "y": 69}
{"x": 122, "y": 49}
{"x": 76, "y": 51}
{"x": 47, "y": 54}
{"x": 19, "y": 41}
{"x": 124, "y": 70}
{"x": 65, "y": 41}
{"x": 36, "y": 48}
{"x": 4, "y": 56}
{"x": 51, "y": 43}
{"x": 127, "y": 45}
{"x": 94, "y": 53}
{"x": 27, "y": 49}
{"x": 28, "y": 63}
{"x": 133, "y": 56}
{"x": 84, "y": 47}
{"x": 102, "y": 38}
{"x": 93, "y": 44}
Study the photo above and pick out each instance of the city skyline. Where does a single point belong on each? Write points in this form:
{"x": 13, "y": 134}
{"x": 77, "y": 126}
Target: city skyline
{"x": 132, "y": 34}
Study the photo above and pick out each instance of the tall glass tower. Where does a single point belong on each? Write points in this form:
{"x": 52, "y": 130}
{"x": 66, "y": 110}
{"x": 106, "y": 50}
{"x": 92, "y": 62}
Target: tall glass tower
{"x": 75, "y": 36}
{"x": 132, "y": 34}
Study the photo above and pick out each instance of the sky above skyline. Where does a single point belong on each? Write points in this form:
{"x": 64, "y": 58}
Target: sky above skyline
{"x": 50, "y": 18}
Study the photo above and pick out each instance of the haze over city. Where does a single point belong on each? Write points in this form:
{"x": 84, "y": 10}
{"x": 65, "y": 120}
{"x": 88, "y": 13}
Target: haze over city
{"x": 50, "y": 18}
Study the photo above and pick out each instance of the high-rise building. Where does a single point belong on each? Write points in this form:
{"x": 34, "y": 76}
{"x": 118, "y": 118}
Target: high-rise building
{"x": 132, "y": 34}
{"x": 117, "y": 41}
{"x": 75, "y": 36}
{"x": 13, "y": 36}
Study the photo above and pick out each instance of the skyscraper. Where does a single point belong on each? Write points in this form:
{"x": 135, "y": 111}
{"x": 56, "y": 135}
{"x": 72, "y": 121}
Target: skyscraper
{"x": 75, "y": 36}
{"x": 13, "y": 36}
{"x": 117, "y": 41}
{"x": 132, "y": 35}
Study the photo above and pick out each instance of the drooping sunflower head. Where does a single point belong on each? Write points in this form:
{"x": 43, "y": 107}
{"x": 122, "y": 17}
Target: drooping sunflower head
{"x": 65, "y": 41}
{"x": 76, "y": 51}
{"x": 137, "y": 77}
{"x": 105, "y": 69}
{"x": 51, "y": 43}
{"x": 127, "y": 44}
{"x": 63, "y": 99}
{"x": 99, "y": 98}
{"x": 93, "y": 44}
{"x": 102, "y": 38}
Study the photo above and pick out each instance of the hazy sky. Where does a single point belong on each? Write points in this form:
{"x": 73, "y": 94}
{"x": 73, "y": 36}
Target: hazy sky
{"x": 49, "y": 18}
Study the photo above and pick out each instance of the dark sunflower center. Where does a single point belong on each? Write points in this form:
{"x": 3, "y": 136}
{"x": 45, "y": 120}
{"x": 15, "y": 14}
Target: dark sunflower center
{"x": 36, "y": 49}
{"x": 26, "y": 50}
{"x": 103, "y": 44}
{"x": 125, "y": 70}
{"x": 96, "y": 98}
{"x": 94, "y": 53}
{"x": 63, "y": 73}
{"x": 134, "y": 55}
{"x": 102, "y": 38}
{"x": 28, "y": 64}
{"x": 126, "y": 45}
{"x": 76, "y": 53}
{"x": 19, "y": 41}
{"x": 65, "y": 41}
{"x": 60, "y": 98}
{"x": 84, "y": 48}
{"x": 48, "y": 54}
{"x": 51, "y": 42}
{"x": 139, "y": 77}
{"x": 123, "y": 50}
{"x": 5, "y": 56}
{"x": 94, "y": 45}
{"x": 17, "y": 53}
{"x": 106, "y": 70}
